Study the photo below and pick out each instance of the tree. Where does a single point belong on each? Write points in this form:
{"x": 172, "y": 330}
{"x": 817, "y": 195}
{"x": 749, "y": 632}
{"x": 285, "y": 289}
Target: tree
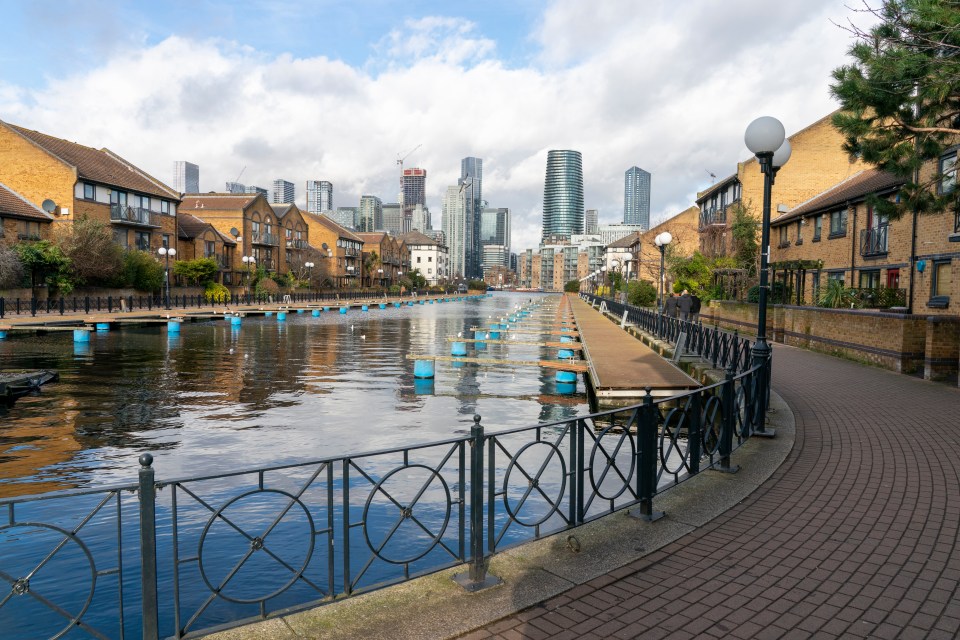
{"x": 743, "y": 230}
{"x": 198, "y": 271}
{"x": 641, "y": 293}
{"x": 95, "y": 259}
{"x": 417, "y": 281}
{"x": 141, "y": 271}
{"x": 47, "y": 264}
{"x": 900, "y": 98}
{"x": 693, "y": 274}
{"x": 11, "y": 269}
{"x": 572, "y": 286}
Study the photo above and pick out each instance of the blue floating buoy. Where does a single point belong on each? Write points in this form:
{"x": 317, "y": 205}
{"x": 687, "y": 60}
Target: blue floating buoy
{"x": 235, "y": 321}
{"x": 343, "y": 310}
{"x": 566, "y": 339}
{"x": 364, "y": 308}
{"x": 513, "y": 318}
{"x": 423, "y": 369}
{"x": 383, "y": 305}
{"x": 3, "y": 335}
{"x": 281, "y": 316}
{"x": 431, "y": 302}
{"x": 458, "y": 349}
{"x": 565, "y": 354}
{"x": 172, "y": 327}
{"x": 326, "y": 308}
{"x": 566, "y": 376}
{"x": 396, "y": 305}
{"x": 479, "y": 335}
{"x": 409, "y": 304}
{"x": 268, "y": 313}
{"x": 103, "y": 326}
{"x": 315, "y": 313}
{"x": 479, "y": 346}
{"x": 493, "y": 334}
{"x": 299, "y": 310}
{"x": 421, "y": 302}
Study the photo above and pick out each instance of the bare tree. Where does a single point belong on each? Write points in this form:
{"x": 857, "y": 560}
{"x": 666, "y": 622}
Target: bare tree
{"x": 11, "y": 269}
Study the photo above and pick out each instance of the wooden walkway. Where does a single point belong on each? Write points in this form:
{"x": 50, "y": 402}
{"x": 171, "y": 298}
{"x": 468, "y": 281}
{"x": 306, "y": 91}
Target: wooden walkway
{"x": 621, "y": 366}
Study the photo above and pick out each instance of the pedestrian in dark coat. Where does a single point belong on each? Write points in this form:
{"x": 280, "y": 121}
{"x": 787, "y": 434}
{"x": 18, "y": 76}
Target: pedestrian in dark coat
{"x": 683, "y": 305}
{"x": 694, "y": 308}
{"x": 670, "y": 306}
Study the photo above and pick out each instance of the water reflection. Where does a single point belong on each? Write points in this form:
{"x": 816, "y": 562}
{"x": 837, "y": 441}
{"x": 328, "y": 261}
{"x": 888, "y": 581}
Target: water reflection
{"x": 217, "y": 397}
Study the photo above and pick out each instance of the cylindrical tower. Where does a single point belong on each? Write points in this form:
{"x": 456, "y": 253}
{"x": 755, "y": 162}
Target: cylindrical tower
{"x": 563, "y": 195}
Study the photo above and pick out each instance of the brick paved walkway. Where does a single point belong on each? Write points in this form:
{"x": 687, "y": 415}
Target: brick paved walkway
{"x": 856, "y": 535}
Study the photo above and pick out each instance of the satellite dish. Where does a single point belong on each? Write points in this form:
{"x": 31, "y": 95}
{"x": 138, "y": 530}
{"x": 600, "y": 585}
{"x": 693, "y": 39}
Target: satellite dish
{"x": 234, "y": 232}
{"x": 49, "y": 205}
{"x": 325, "y": 245}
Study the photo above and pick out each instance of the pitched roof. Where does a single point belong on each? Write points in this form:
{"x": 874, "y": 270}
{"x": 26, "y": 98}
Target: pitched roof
{"x": 97, "y": 165}
{"x": 282, "y": 209}
{"x": 716, "y": 186}
{"x": 626, "y": 241}
{"x": 331, "y": 224}
{"x": 855, "y": 188}
{"x": 374, "y": 237}
{"x": 415, "y": 238}
{"x": 13, "y": 204}
{"x": 189, "y": 227}
{"x": 217, "y": 201}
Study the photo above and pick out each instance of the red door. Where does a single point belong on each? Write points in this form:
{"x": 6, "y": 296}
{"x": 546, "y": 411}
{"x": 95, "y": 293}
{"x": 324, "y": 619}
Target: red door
{"x": 893, "y": 278}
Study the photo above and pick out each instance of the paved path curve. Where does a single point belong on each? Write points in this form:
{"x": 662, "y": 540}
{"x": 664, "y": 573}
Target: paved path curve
{"x": 856, "y": 535}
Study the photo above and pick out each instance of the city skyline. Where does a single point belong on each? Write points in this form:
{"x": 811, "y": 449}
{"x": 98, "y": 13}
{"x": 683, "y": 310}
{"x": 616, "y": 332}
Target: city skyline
{"x": 254, "y": 90}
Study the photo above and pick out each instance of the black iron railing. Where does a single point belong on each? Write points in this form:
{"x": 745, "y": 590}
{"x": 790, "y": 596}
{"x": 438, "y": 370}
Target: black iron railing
{"x": 713, "y": 216}
{"x": 110, "y": 304}
{"x": 220, "y": 550}
{"x": 134, "y": 215}
{"x": 873, "y": 242}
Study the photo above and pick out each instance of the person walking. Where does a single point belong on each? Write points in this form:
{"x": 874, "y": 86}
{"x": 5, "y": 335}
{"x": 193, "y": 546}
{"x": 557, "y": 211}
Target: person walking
{"x": 683, "y": 305}
{"x": 670, "y": 306}
{"x": 695, "y": 304}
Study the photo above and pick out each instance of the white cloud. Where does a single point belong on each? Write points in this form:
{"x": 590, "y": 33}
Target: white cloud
{"x": 667, "y": 87}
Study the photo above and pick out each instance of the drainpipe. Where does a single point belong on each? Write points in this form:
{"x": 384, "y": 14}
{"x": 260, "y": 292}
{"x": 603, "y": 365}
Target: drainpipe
{"x": 853, "y": 245}
{"x": 913, "y": 247}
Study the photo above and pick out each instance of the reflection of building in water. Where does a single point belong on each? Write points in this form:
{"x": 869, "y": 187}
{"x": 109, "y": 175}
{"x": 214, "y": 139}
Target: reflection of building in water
{"x": 33, "y": 443}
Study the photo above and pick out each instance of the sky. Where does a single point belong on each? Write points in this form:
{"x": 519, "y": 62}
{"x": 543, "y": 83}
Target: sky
{"x": 339, "y": 90}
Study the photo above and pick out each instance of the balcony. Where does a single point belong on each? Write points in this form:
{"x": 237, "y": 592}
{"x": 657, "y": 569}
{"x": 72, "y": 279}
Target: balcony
{"x": 134, "y": 215}
{"x": 873, "y": 242}
{"x": 712, "y": 217}
{"x": 258, "y": 237}
{"x": 351, "y": 252}
{"x": 297, "y": 244}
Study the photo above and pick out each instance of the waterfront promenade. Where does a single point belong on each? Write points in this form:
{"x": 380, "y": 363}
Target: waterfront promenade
{"x": 855, "y": 535}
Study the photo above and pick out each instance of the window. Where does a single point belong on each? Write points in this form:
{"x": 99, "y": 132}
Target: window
{"x": 800, "y": 224}
{"x": 948, "y": 172}
{"x": 27, "y": 230}
{"x": 145, "y": 203}
{"x": 817, "y": 226}
{"x": 118, "y": 197}
{"x": 940, "y": 285}
{"x": 784, "y": 241}
{"x": 143, "y": 240}
{"x": 870, "y": 279}
{"x": 89, "y": 191}
{"x": 418, "y": 259}
{"x": 838, "y": 223}
{"x": 164, "y": 207}
{"x": 165, "y": 241}
{"x": 429, "y": 258}
{"x": 120, "y": 237}
{"x": 836, "y": 275}
{"x": 209, "y": 248}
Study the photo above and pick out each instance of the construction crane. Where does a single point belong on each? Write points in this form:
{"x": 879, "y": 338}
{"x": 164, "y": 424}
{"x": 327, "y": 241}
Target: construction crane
{"x": 241, "y": 173}
{"x": 400, "y": 160}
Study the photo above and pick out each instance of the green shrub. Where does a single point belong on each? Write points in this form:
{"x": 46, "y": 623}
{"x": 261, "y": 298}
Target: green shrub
{"x": 198, "y": 271}
{"x": 216, "y": 292}
{"x": 141, "y": 271}
{"x": 836, "y": 296}
{"x": 641, "y": 294}
{"x": 267, "y": 287}
{"x": 573, "y": 286}
{"x": 394, "y": 288}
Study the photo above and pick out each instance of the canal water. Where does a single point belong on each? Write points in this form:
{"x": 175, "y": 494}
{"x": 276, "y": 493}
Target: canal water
{"x": 216, "y": 398}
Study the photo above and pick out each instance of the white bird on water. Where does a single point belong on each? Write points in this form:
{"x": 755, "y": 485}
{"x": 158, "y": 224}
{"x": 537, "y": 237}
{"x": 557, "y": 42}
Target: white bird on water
{"x": 351, "y": 327}
{"x": 363, "y": 336}
{"x": 459, "y": 334}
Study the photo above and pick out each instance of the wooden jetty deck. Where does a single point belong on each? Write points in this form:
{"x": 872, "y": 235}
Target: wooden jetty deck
{"x": 621, "y": 366}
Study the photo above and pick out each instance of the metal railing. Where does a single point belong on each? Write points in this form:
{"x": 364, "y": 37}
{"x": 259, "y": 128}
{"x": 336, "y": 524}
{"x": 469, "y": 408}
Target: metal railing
{"x": 296, "y": 244}
{"x": 86, "y": 304}
{"x": 134, "y": 215}
{"x": 879, "y": 297}
{"x": 260, "y": 237}
{"x": 710, "y": 217}
{"x": 215, "y": 551}
{"x": 873, "y": 242}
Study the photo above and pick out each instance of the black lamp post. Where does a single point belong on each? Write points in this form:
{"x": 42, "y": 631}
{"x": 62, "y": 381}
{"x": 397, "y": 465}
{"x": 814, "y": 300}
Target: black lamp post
{"x": 766, "y": 138}
{"x": 309, "y": 266}
{"x": 662, "y": 240}
{"x": 166, "y": 253}
{"x": 249, "y": 261}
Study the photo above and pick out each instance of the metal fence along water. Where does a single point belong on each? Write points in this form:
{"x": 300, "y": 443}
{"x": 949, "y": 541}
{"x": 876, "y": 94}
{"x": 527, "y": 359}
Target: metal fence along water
{"x": 182, "y": 557}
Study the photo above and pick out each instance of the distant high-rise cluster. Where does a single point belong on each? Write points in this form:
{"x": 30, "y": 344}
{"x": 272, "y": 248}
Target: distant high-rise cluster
{"x": 371, "y": 214}
{"x": 636, "y": 197}
{"x": 563, "y": 195}
{"x": 319, "y": 196}
{"x": 591, "y": 221}
{"x": 414, "y": 188}
{"x": 283, "y": 191}
{"x": 186, "y": 177}
{"x": 471, "y": 183}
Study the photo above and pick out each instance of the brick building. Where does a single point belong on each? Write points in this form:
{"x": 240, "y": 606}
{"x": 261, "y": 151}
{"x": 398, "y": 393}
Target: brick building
{"x": 200, "y": 239}
{"x": 20, "y": 219}
{"x": 339, "y": 250}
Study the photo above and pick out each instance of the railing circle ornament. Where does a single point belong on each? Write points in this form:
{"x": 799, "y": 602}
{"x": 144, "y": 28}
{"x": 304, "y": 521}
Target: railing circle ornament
{"x": 712, "y": 424}
{"x": 255, "y": 544}
{"x": 534, "y": 483}
{"x": 669, "y": 444}
{"x": 407, "y": 517}
{"x": 26, "y": 586}
{"x": 611, "y": 463}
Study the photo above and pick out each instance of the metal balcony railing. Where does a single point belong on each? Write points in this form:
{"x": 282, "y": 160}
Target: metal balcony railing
{"x": 260, "y": 237}
{"x": 713, "y": 216}
{"x": 873, "y": 242}
{"x": 134, "y": 215}
{"x": 296, "y": 244}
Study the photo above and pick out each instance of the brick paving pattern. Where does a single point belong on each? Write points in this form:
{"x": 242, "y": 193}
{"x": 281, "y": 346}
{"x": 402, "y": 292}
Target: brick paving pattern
{"x": 854, "y": 536}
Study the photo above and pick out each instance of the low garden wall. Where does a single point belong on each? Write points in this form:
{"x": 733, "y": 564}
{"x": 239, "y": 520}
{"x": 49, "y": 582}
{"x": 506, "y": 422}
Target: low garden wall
{"x": 911, "y": 344}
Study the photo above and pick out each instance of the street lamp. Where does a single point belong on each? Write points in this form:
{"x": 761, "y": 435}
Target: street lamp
{"x": 380, "y": 277}
{"x": 249, "y": 261}
{"x": 766, "y": 138}
{"x": 603, "y": 277}
{"x": 662, "y": 240}
{"x": 309, "y": 266}
{"x": 167, "y": 253}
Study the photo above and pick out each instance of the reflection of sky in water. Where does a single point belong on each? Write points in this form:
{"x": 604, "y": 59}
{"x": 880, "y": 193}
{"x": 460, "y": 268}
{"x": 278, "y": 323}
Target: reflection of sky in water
{"x": 216, "y": 399}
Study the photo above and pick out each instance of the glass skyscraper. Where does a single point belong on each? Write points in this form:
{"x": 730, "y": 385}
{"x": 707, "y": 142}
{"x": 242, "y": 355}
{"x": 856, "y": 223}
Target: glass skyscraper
{"x": 563, "y": 194}
{"x": 319, "y": 196}
{"x": 471, "y": 182}
{"x": 283, "y": 191}
{"x": 636, "y": 197}
{"x": 186, "y": 177}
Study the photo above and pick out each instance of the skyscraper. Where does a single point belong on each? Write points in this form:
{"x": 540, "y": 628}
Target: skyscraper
{"x": 371, "y": 214}
{"x": 283, "y": 191}
{"x": 471, "y": 182}
{"x": 563, "y": 194}
{"x": 396, "y": 219}
{"x": 495, "y": 226}
{"x": 454, "y": 227}
{"x": 414, "y": 188}
{"x": 186, "y": 177}
{"x": 636, "y": 197}
{"x": 319, "y": 196}
{"x": 592, "y": 221}
{"x": 255, "y": 189}
{"x": 235, "y": 187}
